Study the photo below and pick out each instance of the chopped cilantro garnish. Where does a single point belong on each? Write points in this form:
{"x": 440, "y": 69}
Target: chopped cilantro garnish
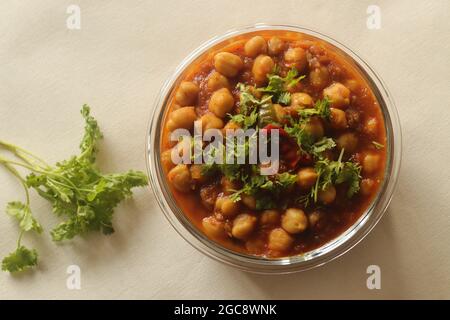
{"x": 277, "y": 86}
{"x": 332, "y": 173}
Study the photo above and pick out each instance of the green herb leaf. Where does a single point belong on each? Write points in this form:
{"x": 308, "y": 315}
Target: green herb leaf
{"x": 277, "y": 86}
{"x": 92, "y": 135}
{"x": 351, "y": 174}
{"x": 266, "y": 189}
{"x": 332, "y": 173}
{"x": 248, "y": 107}
{"x": 22, "y": 213}
{"x": 284, "y": 98}
{"x": 292, "y": 78}
{"x": 321, "y": 109}
{"x": 76, "y": 189}
{"x": 20, "y": 260}
{"x": 322, "y": 145}
{"x": 297, "y": 130}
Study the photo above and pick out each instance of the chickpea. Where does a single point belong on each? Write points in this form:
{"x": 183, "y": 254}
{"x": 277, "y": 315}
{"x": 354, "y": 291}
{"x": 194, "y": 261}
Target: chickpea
{"x": 255, "y": 46}
{"x": 352, "y": 84}
{"x": 370, "y": 126}
{"x": 228, "y": 64}
{"x": 319, "y": 78}
{"x": 211, "y": 121}
{"x": 208, "y": 195}
{"x": 213, "y": 227}
{"x": 221, "y": 102}
{"x": 196, "y": 173}
{"x": 180, "y": 178}
{"x": 294, "y": 221}
{"x": 280, "y": 113}
{"x": 187, "y": 93}
{"x": 262, "y": 66}
{"x": 353, "y": 117}
{"x": 166, "y": 160}
{"x": 338, "y": 119}
{"x": 328, "y": 195}
{"x": 296, "y": 57}
{"x": 249, "y": 201}
{"x": 183, "y": 146}
{"x": 243, "y": 226}
{"x": 315, "y": 128}
{"x": 370, "y": 163}
{"x": 182, "y": 118}
{"x": 255, "y": 245}
{"x": 217, "y": 81}
{"x": 301, "y": 100}
{"x": 276, "y": 45}
{"x": 306, "y": 178}
{"x": 269, "y": 217}
{"x": 347, "y": 141}
{"x": 226, "y": 206}
{"x": 280, "y": 240}
{"x": 314, "y": 217}
{"x": 367, "y": 186}
{"x": 338, "y": 94}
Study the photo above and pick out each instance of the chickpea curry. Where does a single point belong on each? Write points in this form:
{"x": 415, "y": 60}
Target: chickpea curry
{"x": 332, "y": 137}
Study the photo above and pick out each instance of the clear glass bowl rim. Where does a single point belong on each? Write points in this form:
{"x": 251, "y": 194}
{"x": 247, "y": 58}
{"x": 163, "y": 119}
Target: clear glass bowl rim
{"x": 317, "y": 257}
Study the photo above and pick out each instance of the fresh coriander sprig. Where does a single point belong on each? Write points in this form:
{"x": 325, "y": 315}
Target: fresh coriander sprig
{"x": 249, "y": 105}
{"x": 297, "y": 129}
{"x": 332, "y": 173}
{"x": 267, "y": 190}
{"x": 76, "y": 189}
{"x": 278, "y": 86}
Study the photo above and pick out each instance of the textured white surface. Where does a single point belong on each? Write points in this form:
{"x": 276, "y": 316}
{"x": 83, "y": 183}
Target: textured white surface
{"x": 118, "y": 61}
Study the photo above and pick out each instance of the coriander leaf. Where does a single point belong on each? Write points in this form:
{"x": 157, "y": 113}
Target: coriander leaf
{"x": 284, "y": 98}
{"x": 277, "y": 86}
{"x": 266, "y": 189}
{"x": 76, "y": 189}
{"x": 292, "y": 78}
{"x": 350, "y": 173}
{"x": 248, "y": 107}
{"x": 91, "y": 135}
{"x": 23, "y": 214}
{"x": 332, "y": 173}
{"x": 95, "y": 210}
{"x": 20, "y": 260}
{"x": 321, "y": 109}
{"x": 286, "y": 179}
{"x": 322, "y": 145}
{"x": 297, "y": 130}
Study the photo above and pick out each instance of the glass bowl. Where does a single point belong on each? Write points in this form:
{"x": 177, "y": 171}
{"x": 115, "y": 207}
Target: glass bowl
{"x": 317, "y": 257}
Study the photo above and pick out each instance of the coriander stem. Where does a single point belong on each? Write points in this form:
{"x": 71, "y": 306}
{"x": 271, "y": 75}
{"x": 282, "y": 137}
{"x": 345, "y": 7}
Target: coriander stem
{"x": 16, "y": 149}
{"x": 31, "y": 168}
{"x": 22, "y": 180}
{"x": 20, "y": 238}
{"x": 24, "y": 165}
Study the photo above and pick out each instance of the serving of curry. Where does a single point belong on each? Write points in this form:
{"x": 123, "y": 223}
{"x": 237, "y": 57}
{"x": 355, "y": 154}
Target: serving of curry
{"x": 331, "y": 142}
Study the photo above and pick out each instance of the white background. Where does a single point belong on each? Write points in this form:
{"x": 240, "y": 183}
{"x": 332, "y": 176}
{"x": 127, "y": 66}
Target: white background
{"x": 117, "y": 63}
